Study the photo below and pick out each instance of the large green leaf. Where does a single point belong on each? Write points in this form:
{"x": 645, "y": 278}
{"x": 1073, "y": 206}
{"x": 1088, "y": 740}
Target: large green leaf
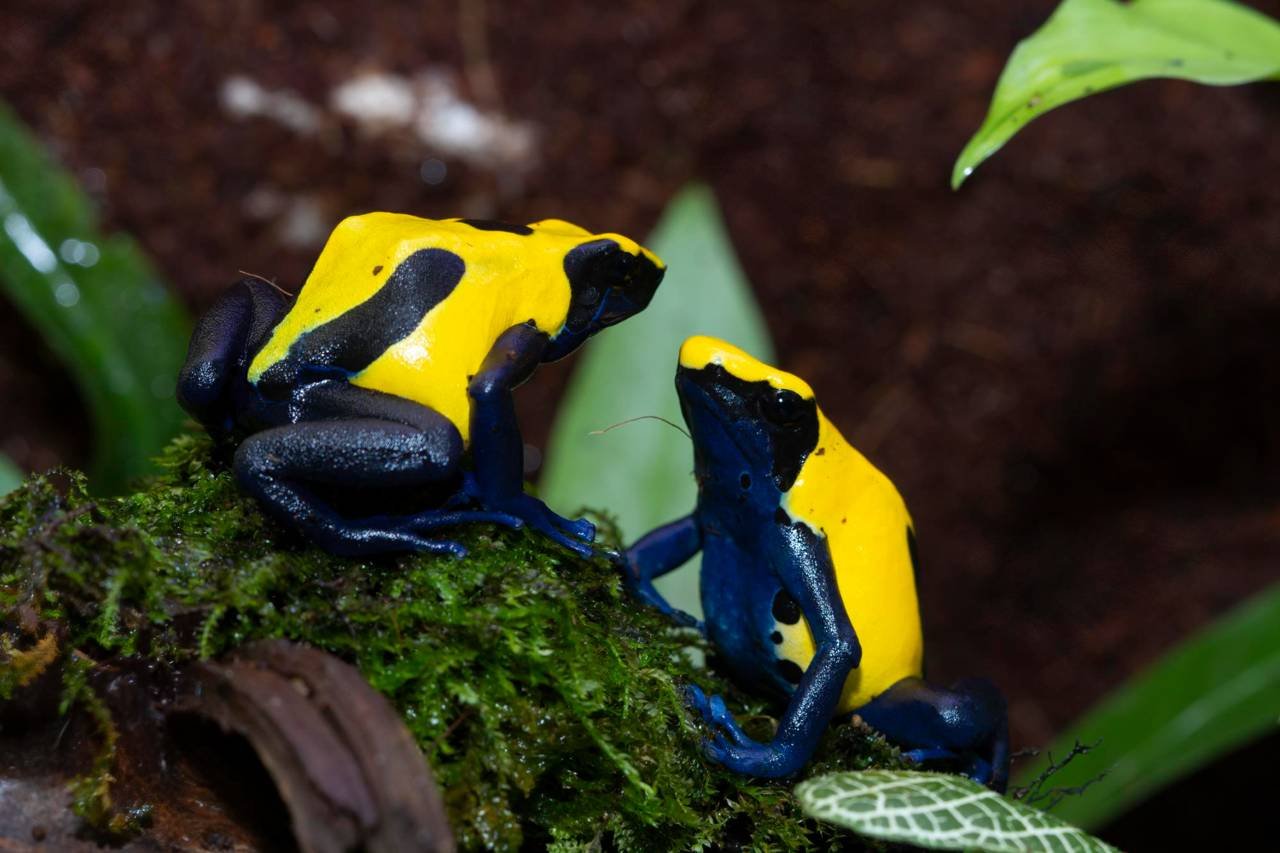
{"x": 937, "y": 811}
{"x": 1088, "y": 46}
{"x": 1216, "y": 691}
{"x": 641, "y": 472}
{"x": 96, "y": 302}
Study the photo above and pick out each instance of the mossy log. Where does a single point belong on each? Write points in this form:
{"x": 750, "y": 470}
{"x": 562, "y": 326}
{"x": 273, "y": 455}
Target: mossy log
{"x": 547, "y": 703}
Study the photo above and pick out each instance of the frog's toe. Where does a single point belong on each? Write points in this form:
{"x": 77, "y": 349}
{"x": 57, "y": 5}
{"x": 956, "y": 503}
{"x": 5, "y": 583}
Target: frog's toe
{"x": 563, "y": 531}
{"x": 697, "y": 701}
{"x": 584, "y": 551}
{"x": 981, "y": 771}
{"x": 920, "y": 756}
{"x": 577, "y": 527}
{"x": 719, "y": 750}
{"x": 534, "y": 513}
{"x": 721, "y": 716}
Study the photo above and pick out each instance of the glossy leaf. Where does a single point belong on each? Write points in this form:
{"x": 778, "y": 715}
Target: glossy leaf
{"x": 97, "y": 304}
{"x": 1216, "y": 691}
{"x": 641, "y": 472}
{"x": 1089, "y": 46}
{"x": 938, "y": 811}
{"x": 10, "y": 475}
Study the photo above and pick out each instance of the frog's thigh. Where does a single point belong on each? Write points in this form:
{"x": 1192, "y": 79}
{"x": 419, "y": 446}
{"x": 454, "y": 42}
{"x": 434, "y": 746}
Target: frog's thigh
{"x": 966, "y": 723}
{"x": 280, "y": 466}
{"x": 357, "y": 452}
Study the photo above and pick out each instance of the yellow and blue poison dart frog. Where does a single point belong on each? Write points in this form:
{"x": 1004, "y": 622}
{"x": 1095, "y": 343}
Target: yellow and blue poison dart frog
{"x": 354, "y": 406}
{"x": 808, "y": 578}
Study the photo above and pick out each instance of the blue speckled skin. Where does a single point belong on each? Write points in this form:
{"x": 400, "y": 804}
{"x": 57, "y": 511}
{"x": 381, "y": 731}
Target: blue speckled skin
{"x": 751, "y": 551}
{"x": 336, "y": 461}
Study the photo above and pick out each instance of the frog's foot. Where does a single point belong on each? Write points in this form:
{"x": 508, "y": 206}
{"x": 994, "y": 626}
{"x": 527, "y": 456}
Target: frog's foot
{"x": 576, "y": 535}
{"x": 734, "y": 749}
{"x": 717, "y": 715}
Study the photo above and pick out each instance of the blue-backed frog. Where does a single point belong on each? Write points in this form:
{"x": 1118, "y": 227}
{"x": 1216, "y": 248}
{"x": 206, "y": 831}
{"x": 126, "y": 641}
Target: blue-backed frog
{"x": 356, "y": 405}
{"x": 808, "y": 578}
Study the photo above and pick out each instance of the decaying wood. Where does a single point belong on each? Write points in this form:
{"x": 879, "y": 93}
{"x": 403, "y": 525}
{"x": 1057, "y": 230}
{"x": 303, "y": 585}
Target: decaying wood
{"x": 344, "y": 763}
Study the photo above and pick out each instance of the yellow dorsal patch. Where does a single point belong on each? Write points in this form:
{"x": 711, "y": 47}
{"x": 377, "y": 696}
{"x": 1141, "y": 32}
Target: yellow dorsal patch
{"x": 841, "y": 496}
{"x": 509, "y": 279}
{"x": 701, "y": 351}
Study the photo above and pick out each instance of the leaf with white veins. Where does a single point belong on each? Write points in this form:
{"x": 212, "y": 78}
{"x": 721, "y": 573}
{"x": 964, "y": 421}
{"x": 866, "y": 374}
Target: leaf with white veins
{"x": 938, "y": 811}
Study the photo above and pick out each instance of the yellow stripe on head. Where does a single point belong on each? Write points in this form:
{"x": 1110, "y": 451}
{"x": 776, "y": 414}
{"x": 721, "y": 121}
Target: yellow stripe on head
{"x": 561, "y": 227}
{"x": 701, "y": 351}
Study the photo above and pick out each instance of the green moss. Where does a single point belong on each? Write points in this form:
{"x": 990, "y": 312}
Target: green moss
{"x": 548, "y": 704}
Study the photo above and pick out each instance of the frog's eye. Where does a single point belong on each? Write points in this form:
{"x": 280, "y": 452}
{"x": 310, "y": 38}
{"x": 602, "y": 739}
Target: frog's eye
{"x": 783, "y": 407}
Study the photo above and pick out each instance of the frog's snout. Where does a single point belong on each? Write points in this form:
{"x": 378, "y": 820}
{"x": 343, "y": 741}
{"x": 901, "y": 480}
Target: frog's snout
{"x": 633, "y": 290}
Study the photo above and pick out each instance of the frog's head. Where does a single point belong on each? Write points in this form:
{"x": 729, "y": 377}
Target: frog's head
{"x": 611, "y": 278}
{"x": 752, "y": 425}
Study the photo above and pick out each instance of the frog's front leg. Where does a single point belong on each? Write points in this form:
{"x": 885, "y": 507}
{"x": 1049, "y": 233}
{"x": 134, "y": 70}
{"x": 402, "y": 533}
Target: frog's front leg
{"x": 366, "y": 442}
{"x": 497, "y": 449}
{"x": 224, "y": 337}
{"x": 802, "y": 561}
{"x": 966, "y": 725}
{"x": 654, "y": 555}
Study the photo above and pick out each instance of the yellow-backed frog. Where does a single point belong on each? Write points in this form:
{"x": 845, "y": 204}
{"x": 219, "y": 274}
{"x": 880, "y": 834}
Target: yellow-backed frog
{"x": 808, "y": 578}
{"x": 353, "y": 406}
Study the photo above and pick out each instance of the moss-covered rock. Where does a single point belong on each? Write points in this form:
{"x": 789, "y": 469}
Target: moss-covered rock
{"x": 548, "y": 703}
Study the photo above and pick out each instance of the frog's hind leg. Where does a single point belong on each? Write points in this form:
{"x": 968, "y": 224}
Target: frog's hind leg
{"x": 966, "y": 725}
{"x": 287, "y": 467}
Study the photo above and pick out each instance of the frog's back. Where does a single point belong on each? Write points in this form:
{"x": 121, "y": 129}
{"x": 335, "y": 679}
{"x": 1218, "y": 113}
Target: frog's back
{"x": 868, "y": 529}
{"x": 411, "y": 306}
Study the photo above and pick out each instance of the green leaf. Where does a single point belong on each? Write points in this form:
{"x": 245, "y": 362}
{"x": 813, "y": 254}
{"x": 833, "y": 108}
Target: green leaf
{"x": 10, "y": 475}
{"x": 1089, "y": 46}
{"x": 96, "y": 302}
{"x": 937, "y": 811}
{"x": 642, "y": 472}
{"x": 1216, "y": 691}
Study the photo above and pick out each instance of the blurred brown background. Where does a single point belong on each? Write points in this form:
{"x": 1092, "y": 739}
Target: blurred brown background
{"x": 1071, "y": 367}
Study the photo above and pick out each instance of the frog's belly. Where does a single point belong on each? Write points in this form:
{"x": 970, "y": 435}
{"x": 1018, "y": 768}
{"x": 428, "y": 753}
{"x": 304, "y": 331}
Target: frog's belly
{"x": 736, "y": 591}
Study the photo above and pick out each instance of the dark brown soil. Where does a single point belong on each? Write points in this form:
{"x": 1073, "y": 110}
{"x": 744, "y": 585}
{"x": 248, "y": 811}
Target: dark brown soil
{"x": 1071, "y": 367}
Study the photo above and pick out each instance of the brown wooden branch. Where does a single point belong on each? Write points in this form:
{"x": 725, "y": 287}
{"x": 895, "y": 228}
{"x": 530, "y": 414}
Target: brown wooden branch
{"x": 345, "y": 765}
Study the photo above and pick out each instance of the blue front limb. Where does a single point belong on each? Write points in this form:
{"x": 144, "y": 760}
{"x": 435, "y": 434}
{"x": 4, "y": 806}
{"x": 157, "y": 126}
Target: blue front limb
{"x": 497, "y": 450}
{"x": 802, "y": 561}
{"x": 657, "y": 553}
{"x": 218, "y": 354}
{"x": 965, "y": 726}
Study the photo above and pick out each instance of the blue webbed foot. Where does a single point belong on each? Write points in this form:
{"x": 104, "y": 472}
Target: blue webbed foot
{"x": 576, "y": 535}
{"x": 733, "y": 748}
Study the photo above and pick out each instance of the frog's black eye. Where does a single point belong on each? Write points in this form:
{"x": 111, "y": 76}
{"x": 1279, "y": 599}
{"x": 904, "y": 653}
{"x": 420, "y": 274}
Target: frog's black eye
{"x": 784, "y": 408}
